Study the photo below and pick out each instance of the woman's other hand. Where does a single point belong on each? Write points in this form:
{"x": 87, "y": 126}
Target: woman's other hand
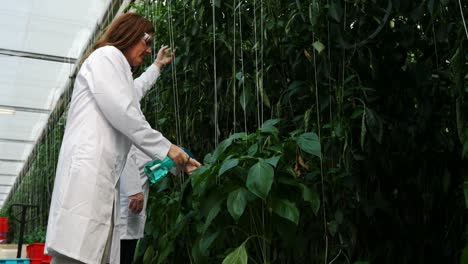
{"x": 164, "y": 56}
{"x": 136, "y": 202}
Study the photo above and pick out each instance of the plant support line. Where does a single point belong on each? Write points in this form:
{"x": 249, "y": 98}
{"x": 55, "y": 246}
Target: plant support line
{"x": 214, "y": 73}
{"x": 463, "y": 18}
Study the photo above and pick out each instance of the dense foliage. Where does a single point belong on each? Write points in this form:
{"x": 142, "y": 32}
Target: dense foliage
{"x": 380, "y": 83}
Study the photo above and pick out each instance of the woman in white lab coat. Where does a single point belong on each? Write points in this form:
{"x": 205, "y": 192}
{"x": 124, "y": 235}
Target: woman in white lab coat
{"x": 104, "y": 120}
{"x": 133, "y": 200}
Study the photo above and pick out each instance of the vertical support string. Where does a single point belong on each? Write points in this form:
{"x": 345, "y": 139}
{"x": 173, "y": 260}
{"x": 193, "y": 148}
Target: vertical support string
{"x": 214, "y": 76}
{"x": 261, "y": 63}
{"x": 242, "y": 68}
{"x": 234, "y": 67}
{"x": 257, "y": 92}
{"x": 174, "y": 76}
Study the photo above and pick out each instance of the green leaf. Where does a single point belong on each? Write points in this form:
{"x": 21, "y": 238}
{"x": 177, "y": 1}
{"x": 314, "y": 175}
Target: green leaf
{"x": 271, "y": 122}
{"x": 212, "y": 215}
{"x": 339, "y": 216}
{"x": 465, "y": 149}
{"x": 260, "y": 179}
{"x": 309, "y": 142}
{"x": 318, "y": 46}
{"x": 465, "y": 191}
{"x": 238, "y": 256}
{"x": 227, "y": 165}
{"x": 220, "y": 150}
{"x": 286, "y": 209}
{"x": 430, "y": 6}
{"x": 206, "y": 242}
{"x": 252, "y": 150}
{"x": 236, "y": 202}
{"x": 311, "y": 197}
{"x": 363, "y": 129}
{"x": 269, "y": 126}
{"x": 335, "y": 10}
{"x": 313, "y": 12}
{"x": 199, "y": 176}
{"x": 239, "y": 76}
{"x": 164, "y": 252}
{"x": 244, "y": 99}
{"x": 149, "y": 254}
{"x": 273, "y": 161}
{"x": 241, "y": 135}
{"x": 374, "y": 123}
{"x": 333, "y": 227}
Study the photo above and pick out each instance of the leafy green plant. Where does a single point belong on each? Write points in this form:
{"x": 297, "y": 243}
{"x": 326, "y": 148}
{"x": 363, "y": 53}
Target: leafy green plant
{"x": 35, "y": 236}
{"x": 252, "y": 187}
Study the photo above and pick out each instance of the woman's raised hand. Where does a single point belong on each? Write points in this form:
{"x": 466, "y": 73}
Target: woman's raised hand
{"x": 164, "y": 56}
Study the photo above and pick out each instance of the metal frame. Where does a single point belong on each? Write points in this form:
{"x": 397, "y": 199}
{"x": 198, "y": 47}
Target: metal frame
{"x": 20, "y": 141}
{"x": 26, "y": 109}
{"x": 36, "y": 56}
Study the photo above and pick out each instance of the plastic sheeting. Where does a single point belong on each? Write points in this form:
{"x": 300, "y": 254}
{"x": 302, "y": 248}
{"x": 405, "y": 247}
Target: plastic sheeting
{"x": 31, "y": 85}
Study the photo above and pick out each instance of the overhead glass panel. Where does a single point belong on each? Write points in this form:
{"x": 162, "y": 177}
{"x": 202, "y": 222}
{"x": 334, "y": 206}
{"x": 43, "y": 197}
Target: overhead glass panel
{"x": 53, "y": 27}
{"x": 32, "y": 83}
{"x": 4, "y": 189}
{"x": 14, "y": 150}
{"x": 41, "y": 42}
{"x": 11, "y": 167}
{"x": 22, "y": 126}
{"x": 7, "y": 180}
{"x": 2, "y": 198}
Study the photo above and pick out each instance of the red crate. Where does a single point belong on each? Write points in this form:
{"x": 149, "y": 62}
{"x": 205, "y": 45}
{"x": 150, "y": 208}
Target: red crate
{"x": 35, "y": 252}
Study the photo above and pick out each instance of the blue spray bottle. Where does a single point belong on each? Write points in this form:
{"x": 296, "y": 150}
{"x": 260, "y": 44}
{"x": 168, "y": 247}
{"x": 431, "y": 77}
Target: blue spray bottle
{"x": 158, "y": 169}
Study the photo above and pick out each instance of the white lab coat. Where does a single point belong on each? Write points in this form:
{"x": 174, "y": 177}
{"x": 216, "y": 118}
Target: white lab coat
{"x": 104, "y": 120}
{"x": 132, "y": 181}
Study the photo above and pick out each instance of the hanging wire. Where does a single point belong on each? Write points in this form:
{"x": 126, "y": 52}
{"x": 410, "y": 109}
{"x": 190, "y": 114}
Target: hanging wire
{"x": 174, "y": 76}
{"x": 188, "y": 107}
{"x": 463, "y": 18}
{"x": 435, "y": 47}
{"x": 259, "y": 99}
{"x": 157, "y": 92}
{"x": 261, "y": 63}
{"x": 242, "y": 68}
{"x": 257, "y": 92}
{"x": 214, "y": 72}
{"x": 234, "y": 67}
{"x": 330, "y": 108}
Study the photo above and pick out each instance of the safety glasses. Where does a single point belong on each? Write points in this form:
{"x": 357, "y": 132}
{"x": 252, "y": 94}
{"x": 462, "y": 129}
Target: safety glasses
{"x": 148, "y": 40}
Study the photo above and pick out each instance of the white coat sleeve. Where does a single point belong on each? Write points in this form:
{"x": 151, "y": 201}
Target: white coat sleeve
{"x": 113, "y": 89}
{"x": 141, "y": 159}
{"x": 146, "y": 80}
{"x": 130, "y": 182}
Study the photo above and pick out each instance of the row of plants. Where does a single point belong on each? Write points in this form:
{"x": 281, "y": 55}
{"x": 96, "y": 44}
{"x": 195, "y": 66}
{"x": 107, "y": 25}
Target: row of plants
{"x": 380, "y": 83}
{"x": 34, "y": 188}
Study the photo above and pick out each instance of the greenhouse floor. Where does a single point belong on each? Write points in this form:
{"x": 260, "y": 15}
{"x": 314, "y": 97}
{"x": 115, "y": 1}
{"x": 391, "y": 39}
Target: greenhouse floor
{"x": 10, "y": 250}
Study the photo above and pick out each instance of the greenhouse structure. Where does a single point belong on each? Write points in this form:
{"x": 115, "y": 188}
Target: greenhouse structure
{"x": 283, "y": 131}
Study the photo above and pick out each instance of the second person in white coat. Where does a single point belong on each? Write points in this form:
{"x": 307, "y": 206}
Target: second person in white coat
{"x": 134, "y": 191}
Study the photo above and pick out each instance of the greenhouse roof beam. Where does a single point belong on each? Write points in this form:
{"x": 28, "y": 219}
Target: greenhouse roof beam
{"x": 5, "y": 185}
{"x": 25, "y": 109}
{"x": 17, "y": 141}
{"x": 8, "y": 175}
{"x": 37, "y": 56}
{"x": 12, "y": 160}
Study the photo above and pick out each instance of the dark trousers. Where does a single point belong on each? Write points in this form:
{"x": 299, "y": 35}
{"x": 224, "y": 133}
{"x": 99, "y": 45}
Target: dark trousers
{"x": 127, "y": 250}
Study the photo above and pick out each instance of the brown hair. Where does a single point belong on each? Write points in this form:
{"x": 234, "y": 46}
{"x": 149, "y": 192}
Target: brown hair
{"x": 125, "y": 31}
